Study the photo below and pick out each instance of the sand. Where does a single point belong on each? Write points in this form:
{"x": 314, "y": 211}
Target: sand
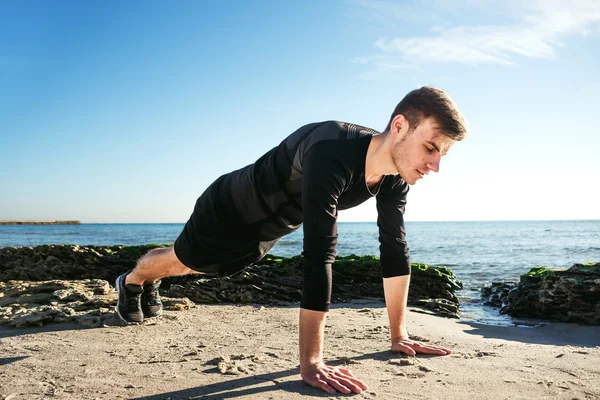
{"x": 250, "y": 352}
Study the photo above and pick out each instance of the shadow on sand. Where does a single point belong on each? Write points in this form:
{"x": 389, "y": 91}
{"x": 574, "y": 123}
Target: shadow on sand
{"x": 246, "y": 386}
{"x": 9, "y": 331}
{"x": 551, "y": 333}
{"x": 8, "y": 360}
{"x": 263, "y": 383}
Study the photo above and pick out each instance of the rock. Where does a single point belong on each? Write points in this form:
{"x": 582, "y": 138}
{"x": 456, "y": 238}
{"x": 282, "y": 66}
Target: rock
{"x": 177, "y": 304}
{"x": 571, "y": 295}
{"x": 39, "y": 303}
{"x": 495, "y": 294}
{"x": 56, "y": 270}
{"x": 277, "y": 280}
{"x": 443, "y": 307}
{"x": 68, "y": 262}
{"x": 88, "y": 302}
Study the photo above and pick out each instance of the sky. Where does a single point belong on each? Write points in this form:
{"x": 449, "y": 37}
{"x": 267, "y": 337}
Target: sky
{"x": 126, "y": 111}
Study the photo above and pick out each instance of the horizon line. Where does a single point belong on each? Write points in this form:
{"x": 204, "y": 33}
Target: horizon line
{"x": 358, "y": 222}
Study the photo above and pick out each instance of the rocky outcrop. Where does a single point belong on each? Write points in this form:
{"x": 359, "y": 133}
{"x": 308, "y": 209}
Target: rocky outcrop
{"x": 571, "y": 295}
{"x": 277, "y": 280}
{"x": 41, "y": 263}
{"x": 89, "y": 302}
{"x": 65, "y": 274}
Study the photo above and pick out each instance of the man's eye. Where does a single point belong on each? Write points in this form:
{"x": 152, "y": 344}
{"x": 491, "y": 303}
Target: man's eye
{"x": 429, "y": 149}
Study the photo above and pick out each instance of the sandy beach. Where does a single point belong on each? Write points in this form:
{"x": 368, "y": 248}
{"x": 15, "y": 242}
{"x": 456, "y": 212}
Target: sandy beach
{"x": 250, "y": 352}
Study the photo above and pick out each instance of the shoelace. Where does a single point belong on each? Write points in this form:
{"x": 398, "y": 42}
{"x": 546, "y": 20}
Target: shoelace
{"x": 133, "y": 302}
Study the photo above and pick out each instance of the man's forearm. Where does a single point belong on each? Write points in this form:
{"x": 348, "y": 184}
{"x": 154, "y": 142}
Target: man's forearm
{"x": 396, "y": 297}
{"x": 312, "y": 328}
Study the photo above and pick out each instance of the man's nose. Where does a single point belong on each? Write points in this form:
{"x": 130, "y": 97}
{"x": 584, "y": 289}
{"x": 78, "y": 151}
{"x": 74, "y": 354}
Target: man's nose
{"x": 434, "y": 163}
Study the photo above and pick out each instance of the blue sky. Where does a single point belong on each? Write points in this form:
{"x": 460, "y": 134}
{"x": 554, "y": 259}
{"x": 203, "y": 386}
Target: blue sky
{"x": 127, "y": 111}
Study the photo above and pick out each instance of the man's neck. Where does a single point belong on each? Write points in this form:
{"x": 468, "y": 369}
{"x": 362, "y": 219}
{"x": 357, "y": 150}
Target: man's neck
{"x": 379, "y": 160}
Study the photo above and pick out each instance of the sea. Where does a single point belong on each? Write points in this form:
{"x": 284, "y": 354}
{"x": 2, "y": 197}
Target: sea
{"x": 477, "y": 252}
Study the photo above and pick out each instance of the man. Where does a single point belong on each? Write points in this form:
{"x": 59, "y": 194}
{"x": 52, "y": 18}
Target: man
{"x": 316, "y": 171}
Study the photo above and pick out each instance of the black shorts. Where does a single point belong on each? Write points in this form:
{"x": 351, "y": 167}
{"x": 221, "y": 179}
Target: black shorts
{"x": 215, "y": 239}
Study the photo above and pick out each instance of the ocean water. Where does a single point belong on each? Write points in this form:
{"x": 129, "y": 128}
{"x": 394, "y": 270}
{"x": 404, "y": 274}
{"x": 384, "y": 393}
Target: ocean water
{"x": 477, "y": 252}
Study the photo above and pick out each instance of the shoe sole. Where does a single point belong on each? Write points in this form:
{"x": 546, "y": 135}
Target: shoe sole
{"x": 153, "y": 316}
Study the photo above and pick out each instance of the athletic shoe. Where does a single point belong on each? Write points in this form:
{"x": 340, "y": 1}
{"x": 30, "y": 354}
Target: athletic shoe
{"x": 151, "y": 304}
{"x": 129, "y": 306}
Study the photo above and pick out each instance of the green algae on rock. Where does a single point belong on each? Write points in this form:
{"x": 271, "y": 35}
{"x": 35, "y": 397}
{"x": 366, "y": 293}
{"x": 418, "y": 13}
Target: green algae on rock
{"x": 571, "y": 295}
{"x": 537, "y": 273}
{"x": 49, "y": 262}
{"x": 273, "y": 280}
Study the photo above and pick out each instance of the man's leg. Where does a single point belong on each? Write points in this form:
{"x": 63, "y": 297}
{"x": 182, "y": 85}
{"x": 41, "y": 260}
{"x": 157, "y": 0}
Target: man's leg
{"x": 155, "y": 265}
{"x": 138, "y": 289}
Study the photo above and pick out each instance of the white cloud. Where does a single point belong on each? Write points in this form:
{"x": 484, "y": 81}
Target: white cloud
{"x": 538, "y": 32}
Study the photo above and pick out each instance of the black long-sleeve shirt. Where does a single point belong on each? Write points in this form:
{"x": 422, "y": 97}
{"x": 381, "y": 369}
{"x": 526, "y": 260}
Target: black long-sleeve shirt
{"x": 313, "y": 173}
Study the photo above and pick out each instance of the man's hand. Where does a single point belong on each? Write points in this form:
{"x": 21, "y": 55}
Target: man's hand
{"x": 412, "y": 347}
{"x": 332, "y": 379}
{"x": 312, "y": 369}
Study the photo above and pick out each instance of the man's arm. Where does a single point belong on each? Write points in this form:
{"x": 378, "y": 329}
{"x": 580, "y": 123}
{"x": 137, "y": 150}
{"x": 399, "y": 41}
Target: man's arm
{"x": 324, "y": 178}
{"x": 396, "y": 297}
{"x": 312, "y": 328}
{"x": 395, "y": 265}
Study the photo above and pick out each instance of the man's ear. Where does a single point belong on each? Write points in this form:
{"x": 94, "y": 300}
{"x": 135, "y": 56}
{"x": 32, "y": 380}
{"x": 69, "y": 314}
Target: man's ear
{"x": 399, "y": 125}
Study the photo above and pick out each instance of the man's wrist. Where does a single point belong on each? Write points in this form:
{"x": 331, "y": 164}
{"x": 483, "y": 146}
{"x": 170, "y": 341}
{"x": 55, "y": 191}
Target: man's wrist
{"x": 402, "y": 334}
{"x": 305, "y": 366}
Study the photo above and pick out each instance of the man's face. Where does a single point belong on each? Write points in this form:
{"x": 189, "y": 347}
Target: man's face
{"x": 420, "y": 151}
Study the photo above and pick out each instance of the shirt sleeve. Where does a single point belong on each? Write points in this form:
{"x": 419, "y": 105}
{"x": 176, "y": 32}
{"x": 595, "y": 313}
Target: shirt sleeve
{"x": 324, "y": 178}
{"x": 395, "y": 260}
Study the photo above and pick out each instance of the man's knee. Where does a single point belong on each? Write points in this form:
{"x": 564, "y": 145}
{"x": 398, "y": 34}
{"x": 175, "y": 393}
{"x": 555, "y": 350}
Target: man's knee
{"x": 160, "y": 252}
{"x": 168, "y": 259}
{"x": 160, "y": 255}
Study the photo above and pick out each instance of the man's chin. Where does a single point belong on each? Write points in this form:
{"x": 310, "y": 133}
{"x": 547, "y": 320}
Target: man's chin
{"x": 413, "y": 180}
{"x": 410, "y": 180}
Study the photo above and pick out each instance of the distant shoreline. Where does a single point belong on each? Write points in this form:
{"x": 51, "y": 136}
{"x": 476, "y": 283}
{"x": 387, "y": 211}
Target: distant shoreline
{"x": 40, "y": 222}
{"x": 339, "y": 222}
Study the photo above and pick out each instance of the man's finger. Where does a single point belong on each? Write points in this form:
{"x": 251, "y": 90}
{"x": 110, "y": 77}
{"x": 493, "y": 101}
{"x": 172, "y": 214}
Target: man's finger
{"x": 425, "y": 348}
{"x": 350, "y": 383}
{"x": 347, "y": 372}
{"x": 357, "y": 382}
{"x": 446, "y": 351}
{"x": 337, "y": 385}
{"x": 404, "y": 348}
{"x": 429, "y": 348}
{"x": 321, "y": 384}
